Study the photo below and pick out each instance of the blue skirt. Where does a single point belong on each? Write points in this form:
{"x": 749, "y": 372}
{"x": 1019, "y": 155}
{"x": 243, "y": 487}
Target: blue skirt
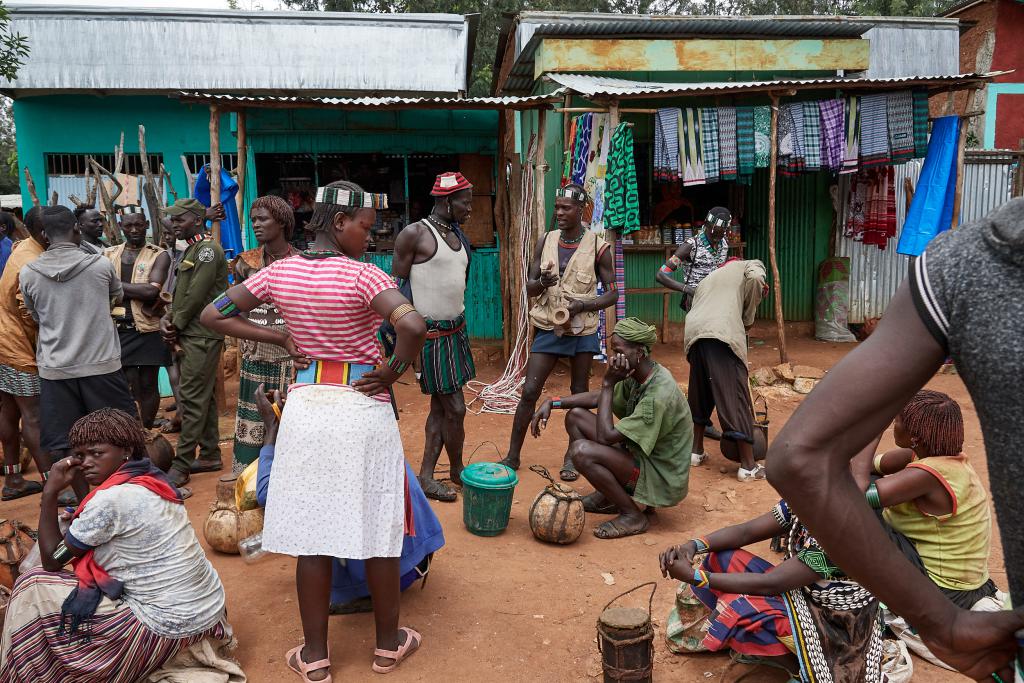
{"x": 545, "y": 341}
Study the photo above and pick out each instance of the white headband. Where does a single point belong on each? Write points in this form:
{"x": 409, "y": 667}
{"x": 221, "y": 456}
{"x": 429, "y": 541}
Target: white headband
{"x": 571, "y": 193}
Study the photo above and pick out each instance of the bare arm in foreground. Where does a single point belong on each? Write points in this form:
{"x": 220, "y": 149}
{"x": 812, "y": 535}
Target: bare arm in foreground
{"x": 809, "y": 464}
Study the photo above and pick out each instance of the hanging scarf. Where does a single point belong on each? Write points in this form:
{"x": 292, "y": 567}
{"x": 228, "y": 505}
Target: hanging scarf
{"x": 762, "y": 137}
{"x": 833, "y": 142}
{"x": 745, "y": 143}
{"x": 920, "y": 123}
{"x": 93, "y": 581}
{"x": 851, "y": 156}
{"x": 812, "y": 136}
{"x": 689, "y": 143}
{"x": 581, "y": 150}
{"x": 621, "y": 198}
{"x": 727, "y": 143}
{"x": 666, "y": 145}
{"x": 900, "y": 107}
{"x": 570, "y": 147}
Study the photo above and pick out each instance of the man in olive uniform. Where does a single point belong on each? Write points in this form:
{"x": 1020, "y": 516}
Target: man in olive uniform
{"x": 202, "y": 274}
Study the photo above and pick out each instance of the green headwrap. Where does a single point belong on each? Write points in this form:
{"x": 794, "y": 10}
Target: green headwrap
{"x": 637, "y": 331}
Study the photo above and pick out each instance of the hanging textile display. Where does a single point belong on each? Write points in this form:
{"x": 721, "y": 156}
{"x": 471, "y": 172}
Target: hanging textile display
{"x": 666, "y": 145}
{"x": 920, "y": 123}
{"x": 851, "y": 157}
{"x": 581, "y": 152}
{"x": 727, "y": 143}
{"x": 570, "y": 148}
{"x": 833, "y": 141}
{"x": 901, "y": 125}
{"x": 872, "y": 207}
{"x": 931, "y": 210}
{"x": 621, "y": 197}
{"x": 762, "y": 137}
{"x": 874, "y": 131}
{"x": 745, "y": 143}
{"x": 709, "y": 143}
{"x": 689, "y": 141}
{"x": 620, "y": 280}
{"x": 596, "y": 168}
{"x": 791, "y": 143}
{"x": 812, "y": 137}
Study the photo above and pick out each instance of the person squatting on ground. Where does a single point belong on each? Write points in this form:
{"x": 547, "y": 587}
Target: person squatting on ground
{"x": 643, "y": 459}
{"x": 434, "y": 255}
{"x": 273, "y": 222}
{"x": 564, "y": 273}
{"x": 19, "y": 374}
{"x": 141, "y": 588}
{"x": 715, "y": 344}
{"x": 90, "y": 227}
{"x": 69, "y": 294}
{"x": 962, "y": 299}
{"x": 338, "y": 485}
{"x": 350, "y": 590}
{"x": 143, "y": 269}
{"x": 201, "y": 273}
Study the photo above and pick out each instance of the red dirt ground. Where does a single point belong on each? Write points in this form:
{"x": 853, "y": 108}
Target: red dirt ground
{"x": 511, "y": 607}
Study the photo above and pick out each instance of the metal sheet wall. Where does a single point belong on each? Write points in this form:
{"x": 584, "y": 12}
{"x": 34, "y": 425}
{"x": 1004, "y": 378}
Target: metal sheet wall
{"x": 483, "y": 292}
{"x": 875, "y": 274}
{"x": 67, "y": 185}
{"x": 641, "y": 268}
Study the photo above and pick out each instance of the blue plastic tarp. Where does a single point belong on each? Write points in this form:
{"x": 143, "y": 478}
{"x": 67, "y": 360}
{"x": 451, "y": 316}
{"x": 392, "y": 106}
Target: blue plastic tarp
{"x": 230, "y": 227}
{"x": 931, "y": 210}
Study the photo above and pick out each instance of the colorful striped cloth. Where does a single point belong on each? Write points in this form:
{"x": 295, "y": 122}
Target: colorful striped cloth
{"x": 446, "y": 361}
{"x": 709, "y": 142}
{"x": 901, "y": 125}
{"x": 920, "y": 124}
{"x": 874, "y": 131}
{"x": 762, "y": 136}
{"x": 581, "y": 152}
{"x": 851, "y": 153}
{"x": 570, "y": 146}
{"x": 118, "y": 648}
{"x": 727, "y": 143}
{"x": 620, "y": 281}
{"x": 621, "y": 196}
{"x": 666, "y": 145}
{"x": 833, "y": 140}
{"x": 812, "y": 136}
{"x": 689, "y": 141}
{"x": 799, "y": 159}
{"x": 745, "y": 142}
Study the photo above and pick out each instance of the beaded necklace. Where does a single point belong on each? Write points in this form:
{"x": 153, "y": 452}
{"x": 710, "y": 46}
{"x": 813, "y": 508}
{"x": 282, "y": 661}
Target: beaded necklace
{"x": 570, "y": 242}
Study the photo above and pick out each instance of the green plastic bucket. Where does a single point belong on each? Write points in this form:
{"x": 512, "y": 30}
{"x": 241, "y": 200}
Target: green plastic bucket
{"x": 487, "y": 489}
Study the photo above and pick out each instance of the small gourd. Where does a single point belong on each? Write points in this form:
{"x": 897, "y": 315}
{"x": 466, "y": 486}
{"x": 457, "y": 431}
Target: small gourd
{"x": 225, "y": 526}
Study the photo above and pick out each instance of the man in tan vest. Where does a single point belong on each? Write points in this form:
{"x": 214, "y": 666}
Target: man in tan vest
{"x": 562, "y": 285}
{"x": 143, "y": 269}
{"x": 433, "y": 256}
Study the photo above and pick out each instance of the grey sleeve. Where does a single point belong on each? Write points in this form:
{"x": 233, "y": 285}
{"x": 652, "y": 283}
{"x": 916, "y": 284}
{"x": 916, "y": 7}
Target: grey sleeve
{"x": 116, "y": 290}
{"x": 931, "y": 298}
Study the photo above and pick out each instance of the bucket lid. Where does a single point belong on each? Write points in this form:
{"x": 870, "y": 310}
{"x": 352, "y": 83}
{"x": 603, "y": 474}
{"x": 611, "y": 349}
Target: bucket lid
{"x": 489, "y": 475}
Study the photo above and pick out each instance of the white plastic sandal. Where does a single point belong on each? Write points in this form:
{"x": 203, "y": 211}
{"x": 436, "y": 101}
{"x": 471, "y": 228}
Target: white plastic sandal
{"x": 757, "y": 474}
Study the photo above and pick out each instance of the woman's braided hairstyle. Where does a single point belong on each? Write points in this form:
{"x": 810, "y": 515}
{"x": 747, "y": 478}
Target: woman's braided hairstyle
{"x": 112, "y": 426}
{"x": 936, "y": 421}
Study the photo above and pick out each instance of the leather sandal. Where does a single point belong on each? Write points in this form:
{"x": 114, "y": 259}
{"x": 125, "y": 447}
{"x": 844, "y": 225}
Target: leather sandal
{"x": 404, "y": 651}
{"x": 304, "y": 669}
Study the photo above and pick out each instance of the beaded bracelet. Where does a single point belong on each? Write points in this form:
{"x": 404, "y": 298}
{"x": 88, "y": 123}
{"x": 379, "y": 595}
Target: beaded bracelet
{"x": 45, "y": 475}
{"x": 11, "y": 469}
{"x": 701, "y": 578}
{"x": 872, "y": 495}
{"x": 398, "y": 365}
{"x": 556, "y": 402}
{"x": 226, "y": 306}
{"x": 702, "y": 544}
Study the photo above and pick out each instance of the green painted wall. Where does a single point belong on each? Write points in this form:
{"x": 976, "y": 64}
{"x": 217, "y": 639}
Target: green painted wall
{"x": 82, "y": 124}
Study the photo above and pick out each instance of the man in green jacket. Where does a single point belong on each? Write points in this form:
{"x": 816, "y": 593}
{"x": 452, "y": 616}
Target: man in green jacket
{"x": 202, "y": 274}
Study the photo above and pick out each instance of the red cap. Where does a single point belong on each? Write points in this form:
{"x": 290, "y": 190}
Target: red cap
{"x": 450, "y": 183}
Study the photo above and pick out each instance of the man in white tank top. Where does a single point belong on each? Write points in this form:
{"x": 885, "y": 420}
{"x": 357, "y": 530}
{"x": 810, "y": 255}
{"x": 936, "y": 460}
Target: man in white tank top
{"x": 433, "y": 255}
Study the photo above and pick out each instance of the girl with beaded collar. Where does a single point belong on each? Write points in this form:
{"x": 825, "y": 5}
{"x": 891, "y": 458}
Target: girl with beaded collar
{"x": 563, "y": 276}
{"x": 701, "y": 254}
{"x": 338, "y": 484}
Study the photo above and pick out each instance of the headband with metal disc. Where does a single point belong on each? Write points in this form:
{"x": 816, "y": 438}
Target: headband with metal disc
{"x": 716, "y": 221}
{"x": 129, "y": 209}
{"x": 572, "y": 193}
{"x": 359, "y": 200}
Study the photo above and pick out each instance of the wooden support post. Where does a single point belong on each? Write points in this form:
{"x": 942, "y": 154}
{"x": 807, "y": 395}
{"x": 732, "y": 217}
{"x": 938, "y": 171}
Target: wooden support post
{"x": 153, "y": 201}
{"x": 772, "y": 255}
{"x": 611, "y": 236}
{"x": 31, "y": 187}
{"x": 215, "y": 165}
{"x": 541, "y": 166}
{"x": 167, "y": 179}
{"x": 243, "y": 158}
{"x": 959, "y": 192}
{"x": 190, "y": 179}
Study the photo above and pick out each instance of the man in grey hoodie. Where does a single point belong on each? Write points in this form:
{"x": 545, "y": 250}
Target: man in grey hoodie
{"x": 69, "y": 293}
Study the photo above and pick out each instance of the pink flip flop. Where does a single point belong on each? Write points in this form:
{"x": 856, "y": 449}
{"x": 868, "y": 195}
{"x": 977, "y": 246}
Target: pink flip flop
{"x": 304, "y": 668}
{"x": 406, "y": 650}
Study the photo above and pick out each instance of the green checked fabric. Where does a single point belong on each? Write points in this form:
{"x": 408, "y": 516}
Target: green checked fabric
{"x": 709, "y": 142}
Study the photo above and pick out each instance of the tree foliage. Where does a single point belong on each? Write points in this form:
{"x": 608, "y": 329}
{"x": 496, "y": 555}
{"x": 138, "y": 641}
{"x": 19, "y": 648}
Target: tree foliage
{"x": 8, "y": 151}
{"x": 13, "y": 47}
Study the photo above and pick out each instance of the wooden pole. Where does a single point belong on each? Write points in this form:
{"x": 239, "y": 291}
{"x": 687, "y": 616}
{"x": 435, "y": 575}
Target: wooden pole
{"x": 153, "y": 203}
{"x": 958, "y": 194}
{"x": 170, "y": 185}
{"x": 541, "y": 167}
{"x": 611, "y": 235}
{"x": 772, "y": 256}
{"x": 110, "y": 216}
{"x": 243, "y": 156}
{"x": 215, "y": 165}
{"x": 190, "y": 179}
{"x": 31, "y": 187}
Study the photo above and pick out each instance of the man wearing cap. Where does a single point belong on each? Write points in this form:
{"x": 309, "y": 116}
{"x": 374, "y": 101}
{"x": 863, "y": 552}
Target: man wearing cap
{"x": 641, "y": 460}
{"x": 143, "y": 268}
{"x": 566, "y": 267}
{"x": 433, "y": 256}
{"x": 201, "y": 274}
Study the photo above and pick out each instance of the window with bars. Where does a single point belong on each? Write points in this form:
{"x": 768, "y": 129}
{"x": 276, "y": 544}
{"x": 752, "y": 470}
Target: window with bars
{"x": 196, "y": 160}
{"x": 76, "y": 164}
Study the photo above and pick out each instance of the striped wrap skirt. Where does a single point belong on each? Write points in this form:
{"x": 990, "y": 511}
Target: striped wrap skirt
{"x": 446, "y": 362}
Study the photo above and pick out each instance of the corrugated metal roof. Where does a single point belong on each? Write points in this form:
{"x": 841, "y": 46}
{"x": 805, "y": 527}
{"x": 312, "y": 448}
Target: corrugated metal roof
{"x": 96, "y": 49}
{"x": 373, "y": 102}
{"x": 590, "y": 86}
{"x": 914, "y": 49}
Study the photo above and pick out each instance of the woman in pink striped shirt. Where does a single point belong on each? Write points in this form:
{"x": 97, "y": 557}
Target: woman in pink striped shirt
{"x": 337, "y": 487}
